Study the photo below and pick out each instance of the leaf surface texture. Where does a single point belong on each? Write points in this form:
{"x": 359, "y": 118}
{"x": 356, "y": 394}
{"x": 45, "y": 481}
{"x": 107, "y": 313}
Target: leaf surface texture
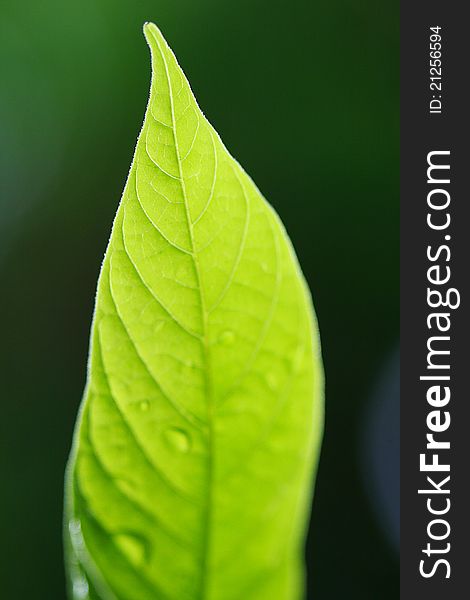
{"x": 191, "y": 472}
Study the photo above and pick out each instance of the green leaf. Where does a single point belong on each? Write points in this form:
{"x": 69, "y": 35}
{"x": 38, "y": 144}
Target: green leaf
{"x": 191, "y": 472}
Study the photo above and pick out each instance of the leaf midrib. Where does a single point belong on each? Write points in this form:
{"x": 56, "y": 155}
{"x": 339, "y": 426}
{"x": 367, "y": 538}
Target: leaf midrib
{"x": 205, "y": 344}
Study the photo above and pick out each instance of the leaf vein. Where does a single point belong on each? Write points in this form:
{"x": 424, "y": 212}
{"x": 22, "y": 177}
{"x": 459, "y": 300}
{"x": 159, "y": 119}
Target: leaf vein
{"x": 139, "y": 446}
{"x": 187, "y": 415}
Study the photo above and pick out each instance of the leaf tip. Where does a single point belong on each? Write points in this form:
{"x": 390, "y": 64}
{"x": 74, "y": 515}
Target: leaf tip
{"x": 151, "y": 33}
{"x": 148, "y": 26}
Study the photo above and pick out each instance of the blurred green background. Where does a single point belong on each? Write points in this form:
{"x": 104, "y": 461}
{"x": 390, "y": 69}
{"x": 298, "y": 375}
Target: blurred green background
{"x": 306, "y": 95}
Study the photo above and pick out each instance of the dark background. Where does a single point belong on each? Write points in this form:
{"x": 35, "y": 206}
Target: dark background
{"x": 306, "y": 95}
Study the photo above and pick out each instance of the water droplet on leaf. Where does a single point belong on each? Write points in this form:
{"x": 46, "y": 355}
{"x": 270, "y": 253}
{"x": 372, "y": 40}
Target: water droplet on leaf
{"x": 178, "y": 439}
{"x": 133, "y": 546}
{"x": 75, "y": 530}
{"x": 144, "y": 405}
{"x": 74, "y": 527}
{"x": 80, "y": 588}
{"x": 227, "y": 338}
